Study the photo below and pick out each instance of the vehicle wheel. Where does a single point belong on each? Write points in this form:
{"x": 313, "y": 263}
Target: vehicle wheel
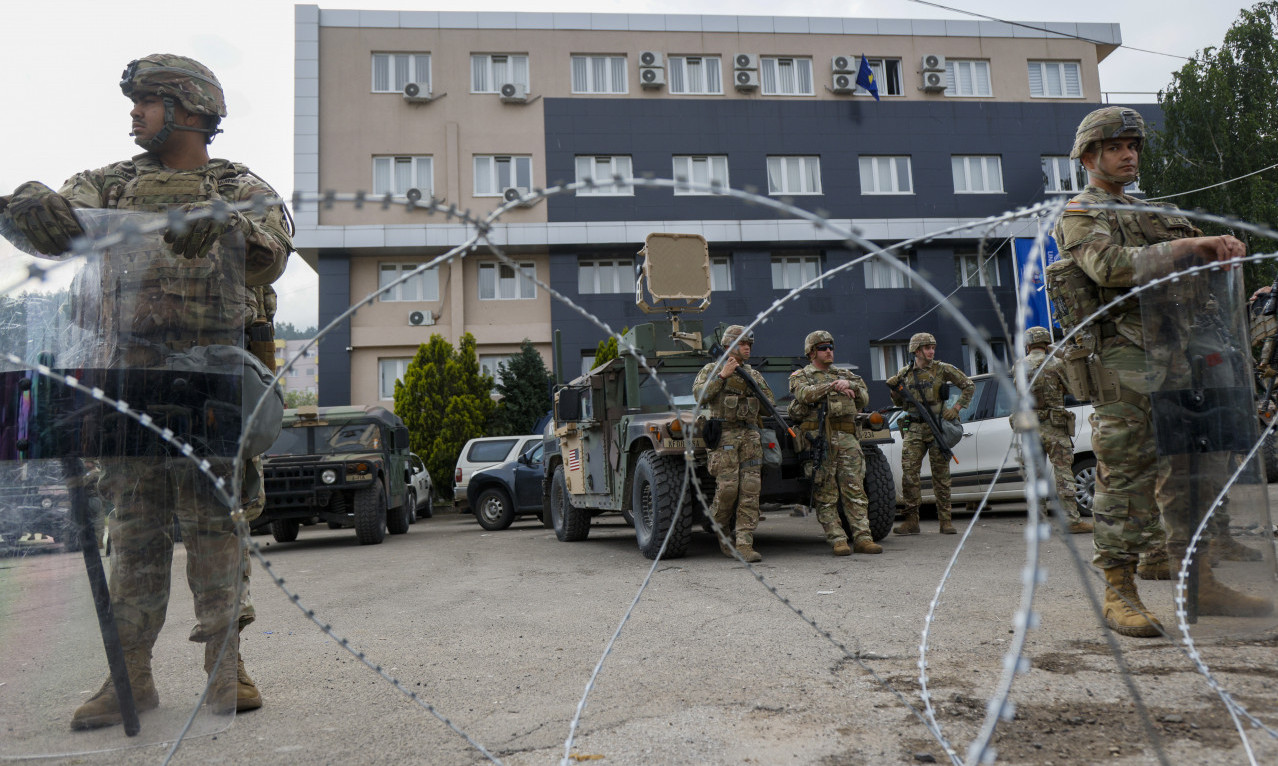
{"x": 655, "y": 501}
{"x": 397, "y": 519}
{"x": 628, "y": 516}
{"x": 1269, "y": 452}
{"x": 880, "y": 490}
{"x": 410, "y": 505}
{"x": 284, "y": 530}
{"x": 427, "y": 511}
{"x": 370, "y": 515}
{"x": 1085, "y": 484}
{"x": 570, "y": 524}
{"x": 493, "y": 510}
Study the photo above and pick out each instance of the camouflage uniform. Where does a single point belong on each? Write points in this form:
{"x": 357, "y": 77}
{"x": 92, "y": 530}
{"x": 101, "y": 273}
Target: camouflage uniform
{"x": 843, "y": 470}
{"x": 918, "y": 437}
{"x": 1055, "y": 424}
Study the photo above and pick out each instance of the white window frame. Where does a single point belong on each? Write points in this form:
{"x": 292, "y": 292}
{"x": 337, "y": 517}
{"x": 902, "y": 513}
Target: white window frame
{"x": 708, "y": 72}
{"x": 598, "y": 73}
{"x": 976, "y": 362}
{"x": 989, "y": 167}
{"x": 421, "y": 288}
{"x": 880, "y": 276}
{"x": 489, "y": 71}
{"x": 887, "y": 73}
{"x": 399, "y": 367}
{"x": 517, "y": 288}
{"x": 1065, "y": 77}
{"x": 886, "y": 359}
{"x": 1061, "y": 175}
{"x": 971, "y": 274}
{"x": 720, "y": 274}
{"x": 602, "y": 169}
{"x": 791, "y": 271}
{"x": 786, "y": 76}
{"x": 490, "y": 364}
{"x": 397, "y": 174}
{"x": 605, "y": 276}
{"x": 488, "y": 169}
{"x": 703, "y": 170}
{"x": 781, "y": 166}
{"x": 968, "y": 78}
{"x": 399, "y": 69}
{"x": 871, "y": 167}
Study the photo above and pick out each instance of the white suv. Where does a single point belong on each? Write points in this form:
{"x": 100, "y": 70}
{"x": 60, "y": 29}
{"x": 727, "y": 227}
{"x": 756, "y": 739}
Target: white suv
{"x": 481, "y": 453}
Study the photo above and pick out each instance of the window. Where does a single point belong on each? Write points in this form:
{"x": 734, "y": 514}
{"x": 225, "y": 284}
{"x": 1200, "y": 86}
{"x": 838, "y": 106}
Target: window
{"x": 420, "y": 287}
{"x": 794, "y": 175}
{"x": 886, "y": 175}
{"x": 489, "y": 71}
{"x": 976, "y": 361}
{"x": 495, "y": 173}
{"x": 392, "y": 71}
{"x": 887, "y": 74}
{"x": 974, "y": 270}
{"x": 695, "y": 75}
{"x": 791, "y": 271}
{"x": 710, "y": 171}
{"x": 977, "y": 174}
{"x": 1055, "y": 79}
{"x": 720, "y": 273}
{"x": 599, "y": 74}
{"x": 786, "y": 76}
{"x": 967, "y": 78}
{"x": 881, "y": 275}
{"x": 501, "y": 282}
{"x": 606, "y": 275}
{"x": 602, "y": 170}
{"x": 491, "y": 365}
{"x": 396, "y": 175}
{"x": 389, "y": 371}
{"x": 887, "y": 359}
{"x": 1061, "y": 174}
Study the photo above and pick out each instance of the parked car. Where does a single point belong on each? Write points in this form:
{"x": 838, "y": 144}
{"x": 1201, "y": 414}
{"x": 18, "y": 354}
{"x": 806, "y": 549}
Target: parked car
{"x": 987, "y": 446}
{"x": 501, "y": 493}
{"x": 484, "y": 452}
{"x": 420, "y": 489}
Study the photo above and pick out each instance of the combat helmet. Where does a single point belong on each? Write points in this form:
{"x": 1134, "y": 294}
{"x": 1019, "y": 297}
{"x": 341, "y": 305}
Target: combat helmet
{"x": 733, "y": 332}
{"x": 921, "y": 339}
{"x": 814, "y": 339}
{"x": 1108, "y": 122}
{"x": 180, "y": 80}
{"x": 1036, "y": 336}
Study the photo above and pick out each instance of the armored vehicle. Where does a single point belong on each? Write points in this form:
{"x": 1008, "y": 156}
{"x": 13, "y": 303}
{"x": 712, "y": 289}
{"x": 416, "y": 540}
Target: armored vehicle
{"x": 616, "y": 444}
{"x": 343, "y": 465}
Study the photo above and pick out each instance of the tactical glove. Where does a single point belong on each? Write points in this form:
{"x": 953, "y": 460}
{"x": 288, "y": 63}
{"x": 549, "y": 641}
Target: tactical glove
{"x": 44, "y": 217}
{"x": 951, "y": 413}
{"x": 199, "y": 235}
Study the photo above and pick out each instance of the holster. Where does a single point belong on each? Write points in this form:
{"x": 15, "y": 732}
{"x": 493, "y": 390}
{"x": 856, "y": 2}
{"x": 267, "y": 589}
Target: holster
{"x": 262, "y": 343}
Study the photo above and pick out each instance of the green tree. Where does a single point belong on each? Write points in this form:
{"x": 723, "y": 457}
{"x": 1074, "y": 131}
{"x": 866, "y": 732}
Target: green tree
{"x": 294, "y": 399}
{"x": 1220, "y": 119}
{"x": 289, "y": 331}
{"x": 524, "y": 386}
{"x": 607, "y": 348}
{"x": 445, "y": 401}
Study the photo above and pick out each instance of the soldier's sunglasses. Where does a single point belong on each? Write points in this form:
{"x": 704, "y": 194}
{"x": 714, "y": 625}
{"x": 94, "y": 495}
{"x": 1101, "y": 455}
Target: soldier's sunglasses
{"x": 825, "y": 347}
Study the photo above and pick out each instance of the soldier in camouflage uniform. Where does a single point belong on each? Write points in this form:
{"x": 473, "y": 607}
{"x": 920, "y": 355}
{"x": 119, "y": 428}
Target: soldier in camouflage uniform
{"x": 927, "y": 380}
{"x": 1118, "y": 250}
{"x": 1055, "y": 422}
{"x": 737, "y": 461}
{"x": 177, "y": 105}
{"x": 841, "y": 393}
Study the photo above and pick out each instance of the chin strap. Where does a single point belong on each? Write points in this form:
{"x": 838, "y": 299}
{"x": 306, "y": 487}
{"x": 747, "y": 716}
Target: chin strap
{"x": 1112, "y": 179}
{"x": 169, "y": 126}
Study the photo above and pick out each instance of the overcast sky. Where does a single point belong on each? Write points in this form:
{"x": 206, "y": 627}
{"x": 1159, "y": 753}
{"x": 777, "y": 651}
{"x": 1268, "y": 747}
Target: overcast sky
{"x": 63, "y": 58}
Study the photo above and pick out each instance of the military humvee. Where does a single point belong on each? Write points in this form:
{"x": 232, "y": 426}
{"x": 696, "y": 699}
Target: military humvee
{"x": 615, "y": 444}
{"x": 343, "y": 465}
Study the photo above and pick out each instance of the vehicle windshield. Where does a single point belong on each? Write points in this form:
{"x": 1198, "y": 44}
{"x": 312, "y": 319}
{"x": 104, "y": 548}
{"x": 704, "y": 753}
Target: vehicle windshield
{"x": 313, "y": 440}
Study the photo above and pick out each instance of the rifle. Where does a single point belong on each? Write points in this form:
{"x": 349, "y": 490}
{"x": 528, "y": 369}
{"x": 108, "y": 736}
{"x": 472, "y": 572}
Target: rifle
{"x": 927, "y": 416}
{"x": 817, "y": 445}
{"x": 772, "y": 408}
{"x": 1269, "y": 351}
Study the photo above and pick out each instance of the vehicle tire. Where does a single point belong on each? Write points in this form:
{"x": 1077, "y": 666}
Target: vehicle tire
{"x": 880, "y": 490}
{"x": 570, "y": 524}
{"x": 1269, "y": 453}
{"x": 284, "y": 530}
{"x": 428, "y": 511}
{"x": 370, "y": 515}
{"x": 493, "y": 509}
{"x": 397, "y": 519}
{"x": 654, "y": 500}
{"x": 1085, "y": 484}
{"x": 410, "y": 503}
{"x": 628, "y": 516}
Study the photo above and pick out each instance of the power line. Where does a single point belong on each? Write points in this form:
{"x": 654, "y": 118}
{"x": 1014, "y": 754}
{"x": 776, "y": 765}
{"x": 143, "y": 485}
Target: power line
{"x": 1213, "y": 186}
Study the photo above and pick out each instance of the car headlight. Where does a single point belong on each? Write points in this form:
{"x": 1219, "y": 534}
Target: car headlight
{"x": 46, "y": 502}
{"x": 328, "y": 476}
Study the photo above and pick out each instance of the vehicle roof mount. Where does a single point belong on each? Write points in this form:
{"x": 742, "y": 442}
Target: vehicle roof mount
{"x": 675, "y": 274}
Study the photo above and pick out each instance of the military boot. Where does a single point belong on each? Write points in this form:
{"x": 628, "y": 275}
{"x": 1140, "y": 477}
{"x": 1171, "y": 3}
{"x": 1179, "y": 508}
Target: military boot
{"x": 1124, "y": 612}
{"x": 247, "y": 697}
{"x": 224, "y": 681}
{"x": 841, "y": 548}
{"x": 103, "y": 708}
{"x": 1154, "y": 565}
{"x": 866, "y": 545}
{"x": 1226, "y": 548}
{"x": 910, "y": 524}
{"x": 1215, "y": 598}
{"x": 947, "y": 526}
{"x": 745, "y": 546}
{"x": 1080, "y": 527}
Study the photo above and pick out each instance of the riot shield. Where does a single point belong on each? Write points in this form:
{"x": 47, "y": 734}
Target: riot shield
{"x": 119, "y": 431}
{"x": 1211, "y": 488}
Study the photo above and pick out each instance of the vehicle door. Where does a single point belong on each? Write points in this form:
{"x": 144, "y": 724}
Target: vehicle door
{"x": 965, "y": 464}
{"x": 997, "y": 450}
{"x": 528, "y": 473}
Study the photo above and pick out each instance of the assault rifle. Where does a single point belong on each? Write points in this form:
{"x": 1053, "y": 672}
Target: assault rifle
{"x": 818, "y": 445}
{"x": 1269, "y": 352}
{"x": 772, "y": 408}
{"x": 925, "y": 413}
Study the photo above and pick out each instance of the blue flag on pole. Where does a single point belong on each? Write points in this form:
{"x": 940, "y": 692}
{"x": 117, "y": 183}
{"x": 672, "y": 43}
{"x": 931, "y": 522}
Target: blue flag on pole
{"x": 865, "y": 78}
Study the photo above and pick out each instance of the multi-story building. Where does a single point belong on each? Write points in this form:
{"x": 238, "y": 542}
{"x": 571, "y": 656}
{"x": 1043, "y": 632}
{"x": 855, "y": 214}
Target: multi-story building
{"x": 303, "y": 376}
{"x": 973, "y": 118}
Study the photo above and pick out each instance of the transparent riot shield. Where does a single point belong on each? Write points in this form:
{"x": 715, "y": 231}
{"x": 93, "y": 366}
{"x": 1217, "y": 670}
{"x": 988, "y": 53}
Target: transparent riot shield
{"x": 1211, "y": 487}
{"x": 119, "y": 428}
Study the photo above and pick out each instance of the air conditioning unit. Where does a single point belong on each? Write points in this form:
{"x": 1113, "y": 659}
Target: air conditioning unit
{"x": 652, "y": 77}
{"x": 843, "y": 64}
{"x": 746, "y": 79}
{"x": 515, "y": 194}
{"x": 514, "y": 93}
{"x": 844, "y": 82}
{"x": 933, "y": 62}
{"x": 933, "y": 82}
{"x": 745, "y": 61}
{"x": 421, "y": 318}
{"x": 650, "y": 58}
{"x": 414, "y": 93}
